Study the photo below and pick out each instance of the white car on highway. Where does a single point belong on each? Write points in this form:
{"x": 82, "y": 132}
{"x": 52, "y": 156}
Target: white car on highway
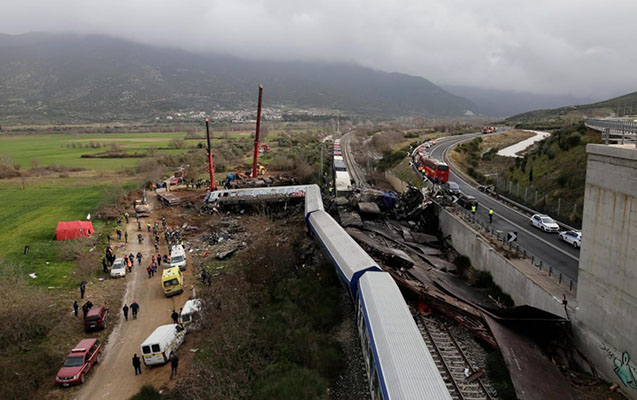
{"x": 572, "y": 237}
{"x": 544, "y": 222}
{"x": 118, "y": 269}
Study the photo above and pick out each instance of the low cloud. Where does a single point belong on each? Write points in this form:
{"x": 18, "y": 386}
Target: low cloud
{"x": 578, "y": 47}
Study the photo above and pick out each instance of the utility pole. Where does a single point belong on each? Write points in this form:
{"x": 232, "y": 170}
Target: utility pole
{"x": 256, "y": 135}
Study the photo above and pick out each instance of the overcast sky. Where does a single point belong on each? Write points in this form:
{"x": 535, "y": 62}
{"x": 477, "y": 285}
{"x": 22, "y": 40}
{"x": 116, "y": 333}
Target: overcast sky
{"x": 580, "y": 47}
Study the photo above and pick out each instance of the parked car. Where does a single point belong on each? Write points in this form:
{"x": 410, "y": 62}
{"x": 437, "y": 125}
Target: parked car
{"x": 452, "y": 188}
{"x": 545, "y": 223}
{"x": 79, "y": 361}
{"x": 572, "y": 237}
{"x": 96, "y": 318}
{"x": 118, "y": 269}
{"x": 467, "y": 201}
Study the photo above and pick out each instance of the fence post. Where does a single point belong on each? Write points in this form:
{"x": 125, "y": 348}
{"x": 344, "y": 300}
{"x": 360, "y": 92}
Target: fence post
{"x": 510, "y": 186}
{"x": 560, "y": 281}
{"x": 570, "y": 286}
{"x": 517, "y": 191}
{"x": 526, "y": 189}
{"x": 540, "y": 266}
{"x": 536, "y": 197}
{"x": 532, "y": 259}
{"x": 550, "y": 270}
{"x": 559, "y": 202}
{"x": 575, "y": 209}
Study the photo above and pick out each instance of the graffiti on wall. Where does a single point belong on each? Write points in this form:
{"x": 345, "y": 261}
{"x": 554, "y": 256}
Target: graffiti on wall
{"x": 623, "y": 370}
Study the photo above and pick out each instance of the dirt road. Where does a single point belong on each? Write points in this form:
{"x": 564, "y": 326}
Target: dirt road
{"x": 114, "y": 378}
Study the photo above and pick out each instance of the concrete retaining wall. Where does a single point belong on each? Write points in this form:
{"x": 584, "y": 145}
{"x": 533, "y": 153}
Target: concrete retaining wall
{"x": 606, "y": 319}
{"x": 507, "y": 274}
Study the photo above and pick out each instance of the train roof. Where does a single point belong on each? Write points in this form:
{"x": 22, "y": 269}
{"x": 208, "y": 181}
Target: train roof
{"x": 408, "y": 370}
{"x": 350, "y": 259}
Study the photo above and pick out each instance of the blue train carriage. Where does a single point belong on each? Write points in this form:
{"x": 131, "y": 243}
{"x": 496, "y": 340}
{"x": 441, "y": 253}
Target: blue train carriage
{"x": 399, "y": 365}
{"x": 350, "y": 260}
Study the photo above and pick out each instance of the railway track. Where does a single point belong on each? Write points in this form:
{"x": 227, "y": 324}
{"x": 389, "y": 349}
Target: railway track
{"x": 452, "y": 362}
{"x": 352, "y": 167}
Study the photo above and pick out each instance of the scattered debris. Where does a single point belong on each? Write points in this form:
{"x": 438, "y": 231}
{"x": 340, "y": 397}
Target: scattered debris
{"x": 33, "y": 275}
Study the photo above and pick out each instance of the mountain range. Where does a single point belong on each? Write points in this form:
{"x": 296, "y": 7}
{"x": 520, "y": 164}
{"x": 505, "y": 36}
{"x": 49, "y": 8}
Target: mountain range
{"x": 621, "y": 106}
{"x": 83, "y": 78}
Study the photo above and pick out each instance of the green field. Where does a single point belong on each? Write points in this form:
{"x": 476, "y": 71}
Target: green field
{"x": 26, "y": 150}
{"x": 29, "y": 217}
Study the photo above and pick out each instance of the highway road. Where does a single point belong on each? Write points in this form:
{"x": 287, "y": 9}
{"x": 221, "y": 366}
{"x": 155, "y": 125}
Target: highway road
{"x": 547, "y": 246}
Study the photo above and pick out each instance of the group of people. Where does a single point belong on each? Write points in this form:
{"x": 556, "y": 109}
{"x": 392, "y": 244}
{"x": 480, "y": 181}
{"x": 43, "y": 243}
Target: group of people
{"x": 85, "y": 307}
{"x": 134, "y": 308}
{"x": 174, "y": 363}
{"x": 156, "y": 261}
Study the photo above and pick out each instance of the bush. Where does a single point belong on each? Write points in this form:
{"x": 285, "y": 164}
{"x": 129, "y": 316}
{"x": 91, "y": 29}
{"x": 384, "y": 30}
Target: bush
{"x": 392, "y": 159}
{"x": 573, "y": 140}
{"x": 549, "y": 154}
{"x": 282, "y": 163}
{"x": 484, "y": 280}
{"x": 462, "y": 263}
{"x": 23, "y": 309}
{"x": 147, "y": 392}
{"x": 562, "y": 180}
{"x": 289, "y": 381}
{"x": 177, "y": 143}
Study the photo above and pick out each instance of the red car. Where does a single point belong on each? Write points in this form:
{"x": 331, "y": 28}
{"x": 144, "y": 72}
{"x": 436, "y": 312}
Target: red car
{"x": 79, "y": 361}
{"x": 96, "y": 318}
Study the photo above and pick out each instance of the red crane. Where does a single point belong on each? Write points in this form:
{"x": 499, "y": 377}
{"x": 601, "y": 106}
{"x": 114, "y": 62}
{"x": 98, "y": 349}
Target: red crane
{"x": 256, "y": 135}
{"x": 211, "y": 167}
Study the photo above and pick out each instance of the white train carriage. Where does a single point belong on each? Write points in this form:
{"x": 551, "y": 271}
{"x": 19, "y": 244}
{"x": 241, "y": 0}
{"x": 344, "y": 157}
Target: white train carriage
{"x": 350, "y": 259}
{"x": 313, "y": 200}
{"x": 343, "y": 183}
{"x": 399, "y": 365}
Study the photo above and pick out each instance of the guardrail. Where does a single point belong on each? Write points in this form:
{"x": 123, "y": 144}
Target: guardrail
{"x": 535, "y": 259}
{"x": 520, "y": 252}
{"x": 617, "y": 131}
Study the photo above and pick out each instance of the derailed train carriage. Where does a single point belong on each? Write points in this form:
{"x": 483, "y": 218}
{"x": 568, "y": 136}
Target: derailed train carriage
{"x": 398, "y": 363}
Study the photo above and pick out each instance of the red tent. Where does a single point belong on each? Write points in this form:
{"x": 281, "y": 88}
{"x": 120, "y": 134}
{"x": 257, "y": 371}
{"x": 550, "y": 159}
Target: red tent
{"x": 73, "y": 229}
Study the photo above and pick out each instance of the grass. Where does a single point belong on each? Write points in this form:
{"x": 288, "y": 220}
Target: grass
{"x": 30, "y": 217}
{"x": 406, "y": 173}
{"x": 48, "y": 149}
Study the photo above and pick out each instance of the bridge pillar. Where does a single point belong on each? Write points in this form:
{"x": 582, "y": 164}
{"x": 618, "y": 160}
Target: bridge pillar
{"x": 605, "y": 321}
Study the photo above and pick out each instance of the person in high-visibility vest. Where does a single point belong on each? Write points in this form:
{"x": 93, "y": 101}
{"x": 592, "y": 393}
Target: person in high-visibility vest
{"x": 473, "y": 210}
{"x": 490, "y": 215}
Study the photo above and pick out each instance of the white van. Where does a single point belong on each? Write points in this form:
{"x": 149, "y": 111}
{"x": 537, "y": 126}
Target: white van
{"x": 162, "y": 343}
{"x": 190, "y": 317}
{"x": 178, "y": 257}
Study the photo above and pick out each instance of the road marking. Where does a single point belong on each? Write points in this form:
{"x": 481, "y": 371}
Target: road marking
{"x": 444, "y": 155}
